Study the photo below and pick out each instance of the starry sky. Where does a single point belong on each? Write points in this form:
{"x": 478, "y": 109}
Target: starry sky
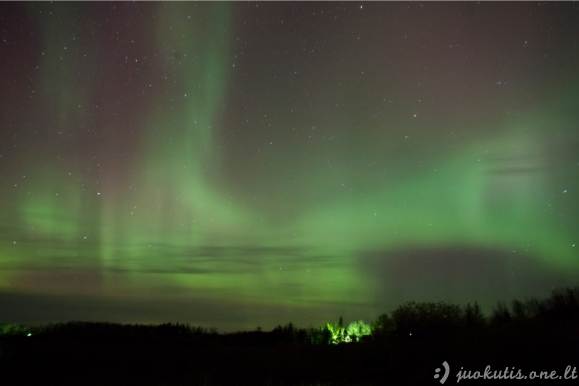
{"x": 249, "y": 164}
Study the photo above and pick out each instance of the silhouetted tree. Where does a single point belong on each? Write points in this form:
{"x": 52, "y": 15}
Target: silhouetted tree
{"x": 535, "y": 308}
{"x": 500, "y": 314}
{"x": 473, "y": 315}
{"x": 289, "y": 333}
{"x": 301, "y": 336}
{"x": 383, "y": 326}
{"x": 412, "y": 319}
{"x": 562, "y": 304}
{"x": 519, "y": 309}
{"x": 324, "y": 335}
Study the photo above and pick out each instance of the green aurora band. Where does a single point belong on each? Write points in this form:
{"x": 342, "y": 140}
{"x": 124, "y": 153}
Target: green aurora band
{"x": 167, "y": 222}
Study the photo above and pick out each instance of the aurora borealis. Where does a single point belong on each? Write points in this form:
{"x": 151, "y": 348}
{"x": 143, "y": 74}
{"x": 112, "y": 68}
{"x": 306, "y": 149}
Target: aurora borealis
{"x": 244, "y": 164}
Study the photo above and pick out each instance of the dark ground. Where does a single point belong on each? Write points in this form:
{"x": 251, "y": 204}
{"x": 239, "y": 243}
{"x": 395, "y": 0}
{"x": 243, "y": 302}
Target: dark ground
{"x": 254, "y": 359}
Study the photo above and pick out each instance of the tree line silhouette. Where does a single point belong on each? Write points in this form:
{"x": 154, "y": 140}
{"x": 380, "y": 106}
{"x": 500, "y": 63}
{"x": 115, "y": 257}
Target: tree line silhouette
{"x": 409, "y": 320}
{"x": 402, "y": 346}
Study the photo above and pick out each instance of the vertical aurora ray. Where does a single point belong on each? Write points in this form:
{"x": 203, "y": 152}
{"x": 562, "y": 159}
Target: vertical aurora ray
{"x": 174, "y": 209}
{"x": 50, "y": 215}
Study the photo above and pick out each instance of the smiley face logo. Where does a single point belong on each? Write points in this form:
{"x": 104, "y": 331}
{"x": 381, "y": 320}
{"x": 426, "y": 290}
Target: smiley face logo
{"x": 446, "y": 372}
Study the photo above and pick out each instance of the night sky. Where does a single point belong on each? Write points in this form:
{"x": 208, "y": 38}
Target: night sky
{"x": 249, "y": 164}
